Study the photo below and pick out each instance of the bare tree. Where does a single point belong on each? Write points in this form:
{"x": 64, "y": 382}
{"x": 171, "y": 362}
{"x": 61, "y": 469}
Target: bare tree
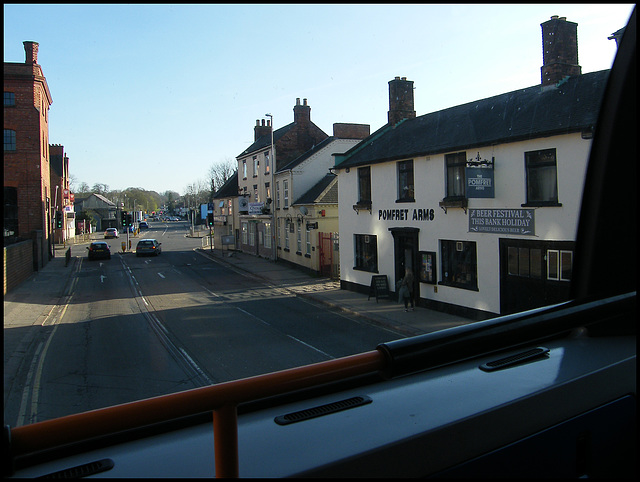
{"x": 220, "y": 172}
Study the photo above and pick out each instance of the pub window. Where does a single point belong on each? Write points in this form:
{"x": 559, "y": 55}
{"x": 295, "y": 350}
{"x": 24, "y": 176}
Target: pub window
{"x": 405, "y": 181}
{"x": 266, "y": 162}
{"x": 244, "y": 169}
{"x": 524, "y": 262}
{"x": 255, "y": 193}
{"x": 455, "y": 174}
{"x": 559, "y": 265}
{"x": 366, "y": 252}
{"x": 364, "y": 184}
{"x": 9, "y": 99}
{"x": 459, "y": 267}
{"x": 256, "y": 166}
{"x": 541, "y": 174}
{"x": 9, "y": 140}
{"x": 299, "y": 239}
{"x": 308, "y": 241}
{"x": 278, "y": 195}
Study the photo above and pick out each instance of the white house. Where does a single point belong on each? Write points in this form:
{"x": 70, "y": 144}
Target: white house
{"x": 480, "y": 200}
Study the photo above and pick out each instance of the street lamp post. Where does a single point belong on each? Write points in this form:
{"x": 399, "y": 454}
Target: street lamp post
{"x": 274, "y": 228}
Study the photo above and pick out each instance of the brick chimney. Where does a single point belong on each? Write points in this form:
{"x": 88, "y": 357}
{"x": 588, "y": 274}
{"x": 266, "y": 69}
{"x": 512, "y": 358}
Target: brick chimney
{"x": 31, "y": 52}
{"x": 261, "y": 130}
{"x": 400, "y": 100}
{"x": 351, "y": 131}
{"x": 302, "y": 114}
{"x": 559, "y": 50}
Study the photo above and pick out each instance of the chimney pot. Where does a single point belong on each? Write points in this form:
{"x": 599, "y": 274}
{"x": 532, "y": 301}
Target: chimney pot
{"x": 31, "y": 52}
{"x": 400, "y": 100}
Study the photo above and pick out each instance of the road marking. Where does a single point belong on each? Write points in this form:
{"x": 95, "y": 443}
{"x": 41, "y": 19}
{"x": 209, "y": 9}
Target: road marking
{"x": 161, "y": 275}
{"x": 285, "y": 334}
{"x": 102, "y": 277}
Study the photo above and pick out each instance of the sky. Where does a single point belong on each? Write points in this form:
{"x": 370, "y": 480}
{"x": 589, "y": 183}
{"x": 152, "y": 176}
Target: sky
{"x": 152, "y": 96}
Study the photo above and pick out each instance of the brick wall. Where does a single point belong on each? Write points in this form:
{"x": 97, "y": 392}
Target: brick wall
{"x": 18, "y": 264}
{"x": 27, "y": 168}
{"x": 351, "y": 131}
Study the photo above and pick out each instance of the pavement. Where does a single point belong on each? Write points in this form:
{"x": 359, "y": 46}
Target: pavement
{"x": 39, "y": 299}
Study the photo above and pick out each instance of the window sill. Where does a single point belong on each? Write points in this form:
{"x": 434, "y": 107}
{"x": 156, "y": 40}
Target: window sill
{"x": 541, "y": 204}
{"x": 457, "y": 285}
{"x": 407, "y": 200}
{"x": 365, "y": 270}
{"x": 454, "y": 202}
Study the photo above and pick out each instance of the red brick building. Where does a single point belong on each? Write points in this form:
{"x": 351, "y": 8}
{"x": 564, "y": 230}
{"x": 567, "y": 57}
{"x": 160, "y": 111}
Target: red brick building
{"x": 61, "y": 194}
{"x": 29, "y": 209}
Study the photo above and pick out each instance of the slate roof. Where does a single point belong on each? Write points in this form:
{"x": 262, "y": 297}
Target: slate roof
{"x": 529, "y": 113}
{"x": 229, "y": 188}
{"x": 265, "y": 141}
{"x": 315, "y": 194}
{"x": 298, "y": 160}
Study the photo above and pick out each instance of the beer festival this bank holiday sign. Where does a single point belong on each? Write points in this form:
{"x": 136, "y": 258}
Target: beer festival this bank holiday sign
{"x": 503, "y": 221}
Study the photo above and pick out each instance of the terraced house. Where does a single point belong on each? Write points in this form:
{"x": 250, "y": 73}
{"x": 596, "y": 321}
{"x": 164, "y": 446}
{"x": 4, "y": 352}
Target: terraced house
{"x": 480, "y": 200}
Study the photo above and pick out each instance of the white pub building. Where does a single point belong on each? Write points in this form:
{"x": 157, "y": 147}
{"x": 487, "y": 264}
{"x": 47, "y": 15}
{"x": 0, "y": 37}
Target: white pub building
{"x": 480, "y": 200}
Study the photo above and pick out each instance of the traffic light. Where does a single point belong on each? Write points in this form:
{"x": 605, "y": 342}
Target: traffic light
{"x": 58, "y": 219}
{"x": 129, "y": 219}
{"x": 123, "y": 218}
{"x": 210, "y": 219}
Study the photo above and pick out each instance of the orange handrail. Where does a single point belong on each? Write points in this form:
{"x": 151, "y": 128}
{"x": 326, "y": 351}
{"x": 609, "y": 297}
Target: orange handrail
{"x": 222, "y": 399}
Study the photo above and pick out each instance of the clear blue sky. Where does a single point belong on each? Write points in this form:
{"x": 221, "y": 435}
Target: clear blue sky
{"x": 151, "y": 96}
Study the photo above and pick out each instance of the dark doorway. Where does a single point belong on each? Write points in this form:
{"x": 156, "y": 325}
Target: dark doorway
{"x": 405, "y": 250}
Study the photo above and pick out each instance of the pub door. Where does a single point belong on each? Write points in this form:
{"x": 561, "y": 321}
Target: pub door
{"x": 405, "y": 247}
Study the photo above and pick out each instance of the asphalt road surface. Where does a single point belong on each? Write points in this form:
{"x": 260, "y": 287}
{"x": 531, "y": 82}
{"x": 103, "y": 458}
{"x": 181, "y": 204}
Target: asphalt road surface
{"x": 138, "y": 327}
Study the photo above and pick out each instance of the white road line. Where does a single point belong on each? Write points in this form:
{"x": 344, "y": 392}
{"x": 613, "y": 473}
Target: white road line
{"x": 288, "y": 336}
{"x": 161, "y": 275}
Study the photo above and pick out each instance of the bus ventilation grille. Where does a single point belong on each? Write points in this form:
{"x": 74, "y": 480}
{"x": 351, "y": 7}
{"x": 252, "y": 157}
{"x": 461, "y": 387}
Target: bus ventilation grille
{"x": 322, "y": 410}
{"x": 81, "y": 470}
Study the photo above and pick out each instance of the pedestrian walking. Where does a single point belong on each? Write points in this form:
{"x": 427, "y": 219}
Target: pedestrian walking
{"x": 405, "y": 291}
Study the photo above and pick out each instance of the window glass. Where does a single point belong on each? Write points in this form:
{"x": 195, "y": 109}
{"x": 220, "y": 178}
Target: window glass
{"x": 366, "y": 252}
{"x": 267, "y": 235}
{"x": 552, "y": 264}
{"x": 285, "y": 188}
{"x": 9, "y": 99}
{"x": 459, "y": 267}
{"x": 542, "y": 185}
{"x": 535, "y": 258}
{"x": 9, "y": 140}
{"x": 405, "y": 181}
{"x": 455, "y": 174}
{"x": 523, "y": 261}
{"x": 364, "y": 184}
{"x": 566, "y": 265}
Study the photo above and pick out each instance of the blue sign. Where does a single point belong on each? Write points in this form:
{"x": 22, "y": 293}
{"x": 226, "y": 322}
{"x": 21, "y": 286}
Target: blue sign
{"x": 479, "y": 182}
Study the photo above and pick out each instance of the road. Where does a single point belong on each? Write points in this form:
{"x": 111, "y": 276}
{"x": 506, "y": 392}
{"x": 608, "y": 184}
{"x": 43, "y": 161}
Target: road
{"x": 138, "y": 327}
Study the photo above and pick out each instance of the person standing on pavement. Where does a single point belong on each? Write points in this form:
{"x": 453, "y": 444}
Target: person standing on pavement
{"x": 405, "y": 292}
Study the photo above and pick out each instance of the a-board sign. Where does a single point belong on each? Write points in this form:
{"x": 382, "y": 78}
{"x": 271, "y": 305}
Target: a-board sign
{"x": 379, "y": 287}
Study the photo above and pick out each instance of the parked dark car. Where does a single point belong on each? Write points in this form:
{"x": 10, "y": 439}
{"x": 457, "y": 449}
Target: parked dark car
{"x": 99, "y": 249}
{"x": 148, "y": 246}
{"x": 143, "y": 225}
